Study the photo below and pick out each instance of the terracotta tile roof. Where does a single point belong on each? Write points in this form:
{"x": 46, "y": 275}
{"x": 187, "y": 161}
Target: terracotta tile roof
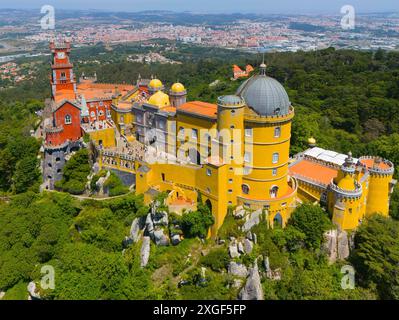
{"x": 64, "y": 95}
{"x": 236, "y": 68}
{"x": 93, "y": 91}
{"x": 204, "y": 109}
{"x": 369, "y": 163}
{"x": 314, "y": 171}
{"x": 169, "y": 109}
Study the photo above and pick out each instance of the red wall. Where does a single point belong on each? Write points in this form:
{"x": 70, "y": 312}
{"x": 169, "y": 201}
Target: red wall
{"x": 71, "y": 131}
{"x": 94, "y": 106}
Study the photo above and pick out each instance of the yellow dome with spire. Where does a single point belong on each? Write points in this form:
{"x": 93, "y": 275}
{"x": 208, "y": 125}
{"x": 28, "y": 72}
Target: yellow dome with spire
{"x": 347, "y": 183}
{"x": 155, "y": 84}
{"x": 311, "y": 141}
{"x": 177, "y": 87}
{"x": 159, "y": 99}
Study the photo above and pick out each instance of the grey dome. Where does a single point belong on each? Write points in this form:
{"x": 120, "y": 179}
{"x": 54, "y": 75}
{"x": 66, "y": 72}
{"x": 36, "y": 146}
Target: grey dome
{"x": 230, "y": 100}
{"x": 265, "y": 95}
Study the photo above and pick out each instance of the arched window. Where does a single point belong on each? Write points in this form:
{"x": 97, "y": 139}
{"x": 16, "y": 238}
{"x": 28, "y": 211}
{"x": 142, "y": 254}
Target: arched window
{"x": 278, "y": 220}
{"x": 277, "y": 132}
{"x": 245, "y": 189}
{"x": 68, "y": 119}
{"x": 275, "y": 157}
{"x": 273, "y": 192}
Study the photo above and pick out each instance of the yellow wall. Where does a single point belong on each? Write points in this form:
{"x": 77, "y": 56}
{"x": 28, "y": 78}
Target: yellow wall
{"x": 378, "y": 197}
{"x": 107, "y": 136}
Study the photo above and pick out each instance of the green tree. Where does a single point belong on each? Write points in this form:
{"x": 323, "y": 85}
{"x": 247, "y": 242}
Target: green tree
{"x": 26, "y": 174}
{"x": 312, "y": 221}
{"x": 376, "y": 255}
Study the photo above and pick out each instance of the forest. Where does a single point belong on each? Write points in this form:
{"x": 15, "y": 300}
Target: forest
{"x": 347, "y": 100}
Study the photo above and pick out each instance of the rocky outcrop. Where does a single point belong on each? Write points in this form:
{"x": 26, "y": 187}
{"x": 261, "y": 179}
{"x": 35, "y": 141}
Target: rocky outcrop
{"x": 233, "y": 249}
{"x": 145, "y": 251}
{"x": 336, "y": 245}
{"x": 253, "y": 219}
{"x": 155, "y": 223}
{"x": 253, "y": 287}
{"x": 33, "y": 295}
{"x": 248, "y": 246}
{"x": 135, "y": 230}
{"x": 239, "y": 212}
{"x": 100, "y": 184}
{"x": 240, "y": 248}
{"x": 160, "y": 238}
{"x": 237, "y": 269}
{"x": 343, "y": 245}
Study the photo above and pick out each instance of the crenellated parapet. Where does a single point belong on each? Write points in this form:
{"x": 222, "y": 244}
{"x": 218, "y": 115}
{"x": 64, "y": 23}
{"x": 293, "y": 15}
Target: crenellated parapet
{"x": 347, "y": 194}
{"x": 377, "y": 165}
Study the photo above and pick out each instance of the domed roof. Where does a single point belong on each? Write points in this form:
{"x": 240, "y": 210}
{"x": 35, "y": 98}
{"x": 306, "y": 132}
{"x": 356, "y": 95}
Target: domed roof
{"x": 159, "y": 99}
{"x": 177, "y": 88}
{"x": 265, "y": 94}
{"x": 230, "y": 100}
{"x": 347, "y": 183}
{"x": 155, "y": 83}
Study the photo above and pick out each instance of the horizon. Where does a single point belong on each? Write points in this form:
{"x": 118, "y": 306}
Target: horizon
{"x": 288, "y": 7}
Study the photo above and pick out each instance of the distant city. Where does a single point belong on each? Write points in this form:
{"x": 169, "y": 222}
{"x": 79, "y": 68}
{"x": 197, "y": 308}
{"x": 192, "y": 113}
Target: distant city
{"x": 21, "y": 30}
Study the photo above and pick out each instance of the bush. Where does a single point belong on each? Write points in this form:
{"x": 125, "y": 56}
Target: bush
{"x": 197, "y": 223}
{"x": 312, "y": 221}
{"x": 217, "y": 259}
{"x": 115, "y": 186}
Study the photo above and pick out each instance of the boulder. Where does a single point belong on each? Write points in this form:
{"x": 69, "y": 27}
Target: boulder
{"x": 253, "y": 287}
{"x": 266, "y": 263}
{"x": 249, "y": 236}
{"x": 252, "y": 220}
{"x": 233, "y": 250}
{"x": 149, "y": 224}
{"x": 135, "y": 230}
{"x": 240, "y": 248}
{"x": 175, "y": 239}
{"x": 337, "y": 245}
{"x": 330, "y": 245}
{"x": 237, "y": 269}
{"x": 255, "y": 238}
{"x": 145, "y": 251}
{"x": 32, "y": 291}
{"x": 2, "y": 294}
{"x": 342, "y": 245}
{"x": 160, "y": 238}
{"x": 248, "y": 246}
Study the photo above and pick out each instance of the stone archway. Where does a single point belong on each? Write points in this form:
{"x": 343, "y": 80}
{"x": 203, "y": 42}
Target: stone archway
{"x": 278, "y": 220}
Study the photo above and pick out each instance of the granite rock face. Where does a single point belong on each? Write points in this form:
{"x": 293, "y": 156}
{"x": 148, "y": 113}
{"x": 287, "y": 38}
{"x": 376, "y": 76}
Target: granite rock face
{"x": 253, "y": 219}
{"x": 32, "y": 291}
{"x": 337, "y": 245}
{"x": 253, "y": 287}
{"x": 135, "y": 230}
{"x": 248, "y": 246}
{"x": 233, "y": 250}
{"x": 237, "y": 269}
{"x": 145, "y": 251}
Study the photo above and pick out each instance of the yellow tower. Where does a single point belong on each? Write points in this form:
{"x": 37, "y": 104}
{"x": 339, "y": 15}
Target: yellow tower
{"x": 230, "y": 127}
{"x": 178, "y": 95}
{"x": 267, "y": 127}
{"x": 381, "y": 173}
{"x": 344, "y": 198}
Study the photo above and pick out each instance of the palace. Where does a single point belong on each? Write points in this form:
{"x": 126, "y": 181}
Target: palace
{"x": 232, "y": 153}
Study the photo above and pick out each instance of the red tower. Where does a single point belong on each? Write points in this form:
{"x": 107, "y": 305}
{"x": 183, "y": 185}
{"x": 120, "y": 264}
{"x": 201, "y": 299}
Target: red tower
{"x": 63, "y": 83}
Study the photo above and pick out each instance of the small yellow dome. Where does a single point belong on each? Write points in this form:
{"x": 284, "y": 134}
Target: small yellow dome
{"x": 159, "y": 99}
{"x": 155, "y": 84}
{"x": 177, "y": 87}
{"x": 312, "y": 141}
{"x": 347, "y": 183}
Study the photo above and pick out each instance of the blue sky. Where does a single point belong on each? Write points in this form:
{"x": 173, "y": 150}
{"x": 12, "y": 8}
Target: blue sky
{"x": 217, "y": 6}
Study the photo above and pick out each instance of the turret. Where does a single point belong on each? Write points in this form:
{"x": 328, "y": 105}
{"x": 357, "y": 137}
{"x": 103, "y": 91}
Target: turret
{"x": 177, "y": 95}
{"x": 345, "y": 197}
{"x": 380, "y": 184}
